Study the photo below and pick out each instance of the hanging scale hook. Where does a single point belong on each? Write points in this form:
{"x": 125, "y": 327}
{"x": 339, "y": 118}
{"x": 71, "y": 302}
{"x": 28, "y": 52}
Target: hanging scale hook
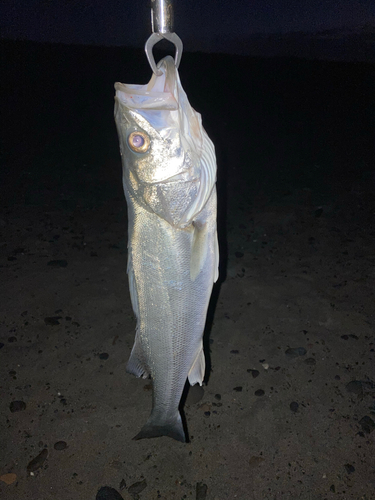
{"x": 162, "y": 27}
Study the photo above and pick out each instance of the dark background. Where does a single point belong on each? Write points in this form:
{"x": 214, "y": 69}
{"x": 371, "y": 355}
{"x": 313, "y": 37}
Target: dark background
{"x": 276, "y": 122}
{"x": 234, "y": 26}
{"x": 286, "y": 90}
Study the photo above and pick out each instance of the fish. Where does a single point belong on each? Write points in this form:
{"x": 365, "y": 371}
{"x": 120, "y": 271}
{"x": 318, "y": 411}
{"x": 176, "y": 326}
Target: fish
{"x": 169, "y": 180}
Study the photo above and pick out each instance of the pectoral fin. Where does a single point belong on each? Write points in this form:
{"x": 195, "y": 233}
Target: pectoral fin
{"x": 201, "y": 247}
{"x": 198, "y": 251}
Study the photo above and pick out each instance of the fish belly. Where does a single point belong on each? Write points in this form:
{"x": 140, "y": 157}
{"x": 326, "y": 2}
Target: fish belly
{"x": 170, "y": 303}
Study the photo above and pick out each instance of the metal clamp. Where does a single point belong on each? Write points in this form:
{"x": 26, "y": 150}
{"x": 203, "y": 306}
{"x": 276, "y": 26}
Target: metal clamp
{"x": 162, "y": 27}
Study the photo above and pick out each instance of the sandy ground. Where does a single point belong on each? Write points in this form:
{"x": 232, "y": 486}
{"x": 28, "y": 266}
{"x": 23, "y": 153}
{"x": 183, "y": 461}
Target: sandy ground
{"x": 288, "y": 408}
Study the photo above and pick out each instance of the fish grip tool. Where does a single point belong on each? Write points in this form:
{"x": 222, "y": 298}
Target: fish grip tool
{"x": 162, "y": 24}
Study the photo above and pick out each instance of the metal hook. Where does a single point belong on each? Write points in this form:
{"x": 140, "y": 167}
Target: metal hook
{"x": 155, "y": 38}
{"x": 162, "y": 27}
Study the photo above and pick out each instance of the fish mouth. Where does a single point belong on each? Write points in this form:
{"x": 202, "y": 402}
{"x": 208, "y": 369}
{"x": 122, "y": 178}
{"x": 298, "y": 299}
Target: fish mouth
{"x": 159, "y": 94}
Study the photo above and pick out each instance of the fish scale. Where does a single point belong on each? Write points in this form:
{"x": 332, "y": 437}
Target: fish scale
{"x": 173, "y": 251}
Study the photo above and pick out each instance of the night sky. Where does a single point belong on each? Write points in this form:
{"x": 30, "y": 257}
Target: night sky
{"x": 120, "y": 22}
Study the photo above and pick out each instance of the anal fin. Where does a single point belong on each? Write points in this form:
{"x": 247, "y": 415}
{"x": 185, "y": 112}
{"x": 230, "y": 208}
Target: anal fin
{"x": 197, "y": 369}
{"x": 216, "y": 261}
{"x": 136, "y": 363}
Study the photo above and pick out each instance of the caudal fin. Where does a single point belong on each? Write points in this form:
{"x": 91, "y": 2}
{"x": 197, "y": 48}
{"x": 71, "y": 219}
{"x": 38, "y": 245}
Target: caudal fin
{"x": 154, "y": 427}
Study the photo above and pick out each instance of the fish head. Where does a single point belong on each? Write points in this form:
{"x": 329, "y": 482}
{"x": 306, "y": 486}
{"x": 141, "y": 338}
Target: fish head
{"x": 160, "y": 133}
{"x": 152, "y": 154}
{"x": 162, "y": 143}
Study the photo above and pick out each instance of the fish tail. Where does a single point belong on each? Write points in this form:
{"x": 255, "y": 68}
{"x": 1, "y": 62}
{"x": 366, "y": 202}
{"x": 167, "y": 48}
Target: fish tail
{"x": 156, "y": 427}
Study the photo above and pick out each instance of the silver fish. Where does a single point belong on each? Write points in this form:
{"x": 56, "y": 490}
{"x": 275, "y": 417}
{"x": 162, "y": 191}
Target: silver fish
{"x": 169, "y": 176}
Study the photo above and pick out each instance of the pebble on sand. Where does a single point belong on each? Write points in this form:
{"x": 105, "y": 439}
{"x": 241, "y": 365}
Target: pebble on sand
{"x": 38, "y": 461}
{"x": 195, "y": 394}
{"x": 201, "y": 491}
{"x": 60, "y": 445}
{"x": 107, "y": 493}
{"x": 259, "y": 392}
{"x": 355, "y": 386}
{"x": 8, "y": 478}
{"x": 294, "y": 352}
{"x": 137, "y": 487}
{"x": 367, "y": 424}
{"x": 17, "y": 406}
{"x": 52, "y": 321}
{"x": 310, "y": 361}
{"x": 205, "y": 407}
{"x": 349, "y": 468}
{"x": 294, "y": 406}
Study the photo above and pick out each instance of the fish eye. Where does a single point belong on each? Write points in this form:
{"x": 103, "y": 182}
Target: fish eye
{"x": 139, "y": 142}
